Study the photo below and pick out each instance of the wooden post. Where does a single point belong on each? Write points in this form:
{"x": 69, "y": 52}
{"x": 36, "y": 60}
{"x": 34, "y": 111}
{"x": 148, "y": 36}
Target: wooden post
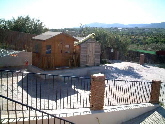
{"x": 142, "y": 59}
{"x": 97, "y": 91}
{"x": 155, "y": 91}
{"x": 117, "y": 55}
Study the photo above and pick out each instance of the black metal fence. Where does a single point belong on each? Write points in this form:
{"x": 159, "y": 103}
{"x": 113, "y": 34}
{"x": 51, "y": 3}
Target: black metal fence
{"x": 27, "y": 114}
{"x": 53, "y": 92}
{"x": 25, "y": 95}
{"x": 49, "y": 92}
{"x": 45, "y": 92}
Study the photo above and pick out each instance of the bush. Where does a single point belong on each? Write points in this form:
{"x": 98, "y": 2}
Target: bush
{"x": 149, "y": 47}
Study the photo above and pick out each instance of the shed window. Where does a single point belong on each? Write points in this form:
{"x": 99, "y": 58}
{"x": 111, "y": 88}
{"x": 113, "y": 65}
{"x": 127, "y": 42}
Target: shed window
{"x": 37, "y": 48}
{"x": 67, "y": 48}
{"x": 48, "y": 49}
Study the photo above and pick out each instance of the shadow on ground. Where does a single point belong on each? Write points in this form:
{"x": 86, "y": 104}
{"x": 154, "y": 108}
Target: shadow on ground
{"x": 114, "y": 72}
{"x": 52, "y": 89}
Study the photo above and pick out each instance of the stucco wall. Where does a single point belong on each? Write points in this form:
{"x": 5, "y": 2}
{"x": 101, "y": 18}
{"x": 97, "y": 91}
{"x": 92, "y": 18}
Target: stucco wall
{"x": 113, "y": 117}
{"x": 100, "y": 117}
{"x": 16, "y": 59}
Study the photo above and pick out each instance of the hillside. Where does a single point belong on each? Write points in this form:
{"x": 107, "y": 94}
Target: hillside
{"x": 103, "y": 25}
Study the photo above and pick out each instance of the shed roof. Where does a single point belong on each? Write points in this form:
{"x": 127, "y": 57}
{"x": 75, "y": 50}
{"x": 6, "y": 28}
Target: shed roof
{"x": 79, "y": 38}
{"x": 46, "y": 35}
{"x": 83, "y": 39}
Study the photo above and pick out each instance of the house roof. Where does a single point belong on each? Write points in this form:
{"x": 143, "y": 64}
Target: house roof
{"x": 46, "y": 35}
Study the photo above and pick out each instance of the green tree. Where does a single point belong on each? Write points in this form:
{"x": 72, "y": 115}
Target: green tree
{"x": 3, "y": 24}
{"x": 23, "y": 24}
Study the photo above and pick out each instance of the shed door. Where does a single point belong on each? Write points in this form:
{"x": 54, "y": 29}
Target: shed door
{"x": 90, "y": 54}
{"x": 63, "y": 54}
{"x": 59, "y": 54}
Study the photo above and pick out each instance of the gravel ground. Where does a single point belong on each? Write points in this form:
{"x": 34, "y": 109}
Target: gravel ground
{"x": 134, "y": 71}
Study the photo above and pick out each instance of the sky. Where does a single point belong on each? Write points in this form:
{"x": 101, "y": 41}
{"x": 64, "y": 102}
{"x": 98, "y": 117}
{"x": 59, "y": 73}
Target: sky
{"x": 73, "y": 13}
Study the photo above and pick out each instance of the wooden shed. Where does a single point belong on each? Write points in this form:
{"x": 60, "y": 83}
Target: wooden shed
{"x": 52, "y": 50}
{"x": 89, "y": 50}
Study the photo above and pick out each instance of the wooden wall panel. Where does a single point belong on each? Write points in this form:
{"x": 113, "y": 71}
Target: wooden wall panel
{"x": 90, "y": 47}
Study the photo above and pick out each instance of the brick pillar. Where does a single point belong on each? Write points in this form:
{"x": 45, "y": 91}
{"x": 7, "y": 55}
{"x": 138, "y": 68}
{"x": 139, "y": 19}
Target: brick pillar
{"x": 155, "y": 91}
{"x": 97, "y": 91}
{"x": 142, "y": 59}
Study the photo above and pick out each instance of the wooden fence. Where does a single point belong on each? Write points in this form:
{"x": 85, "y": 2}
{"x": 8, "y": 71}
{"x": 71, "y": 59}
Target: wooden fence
{"x": 135, "y": 57}
{"x": 15, "y": 40}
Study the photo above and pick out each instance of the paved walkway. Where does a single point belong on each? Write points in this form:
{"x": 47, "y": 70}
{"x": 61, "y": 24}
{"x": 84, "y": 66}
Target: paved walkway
{"x": 156, "y": 116}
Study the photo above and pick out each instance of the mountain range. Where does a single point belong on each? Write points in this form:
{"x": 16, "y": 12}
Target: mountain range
{"x": 104, "y": 25}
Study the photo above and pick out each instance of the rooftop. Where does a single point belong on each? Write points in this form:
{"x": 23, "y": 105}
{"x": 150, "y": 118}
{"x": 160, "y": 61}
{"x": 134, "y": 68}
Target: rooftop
{"x": 46, "y": 35}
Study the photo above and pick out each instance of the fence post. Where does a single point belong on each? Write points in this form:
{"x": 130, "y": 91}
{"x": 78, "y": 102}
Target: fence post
{"x": 117, "y": 55}
{"x": 97, "y": 91}
{"x": 155, "y": 91}
{"x": 142, "y": 59}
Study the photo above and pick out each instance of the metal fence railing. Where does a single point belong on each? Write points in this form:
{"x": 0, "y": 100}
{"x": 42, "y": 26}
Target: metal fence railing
{"x": 162, "y": 93}
{"x": 52, "y": 92}
{"x": 47, "y": 93}
{"x": 118, "y": 92}
{"x": 25, "y": 114}
{"x": 32, "y": 93}
{"x": 61, "y": 92}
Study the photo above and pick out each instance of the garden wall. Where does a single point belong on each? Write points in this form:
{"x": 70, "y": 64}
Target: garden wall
{"x": 135, "y": 57}
{"x": 16, "y": 59}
